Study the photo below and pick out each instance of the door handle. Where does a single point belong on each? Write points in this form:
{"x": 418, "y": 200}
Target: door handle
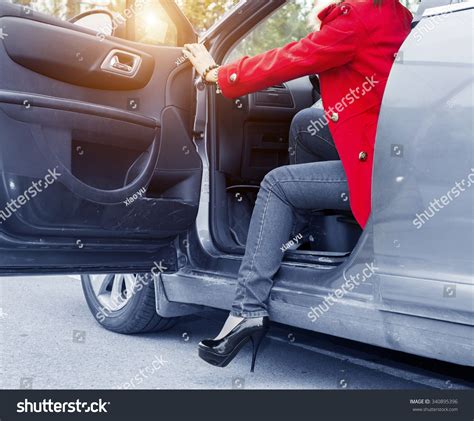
{"x": 122, "y": 63}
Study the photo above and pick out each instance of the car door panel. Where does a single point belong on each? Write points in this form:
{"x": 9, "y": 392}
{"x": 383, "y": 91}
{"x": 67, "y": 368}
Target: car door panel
{"x": 130, "y": 175}
{"x": 77, "y": 59}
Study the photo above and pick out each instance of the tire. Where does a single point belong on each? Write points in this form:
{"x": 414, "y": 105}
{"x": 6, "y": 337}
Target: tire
{"x": 124, "y": 303}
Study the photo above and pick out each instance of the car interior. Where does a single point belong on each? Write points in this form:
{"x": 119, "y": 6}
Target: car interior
{"x": 65, "y": 103}
{"x": 252, "y": 139}
{"x": 108, "y": 134}
{"x": 99, "y": 144}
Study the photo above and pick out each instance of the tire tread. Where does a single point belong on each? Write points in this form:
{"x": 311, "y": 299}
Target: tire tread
{"x": 145, "y": 319}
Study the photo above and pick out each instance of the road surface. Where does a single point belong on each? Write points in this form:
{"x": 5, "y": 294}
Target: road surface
{"x": 49, "y": 340}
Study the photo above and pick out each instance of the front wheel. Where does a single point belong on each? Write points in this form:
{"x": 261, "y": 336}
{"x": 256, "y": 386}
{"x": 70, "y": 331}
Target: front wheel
{"x": 124, "y": 303}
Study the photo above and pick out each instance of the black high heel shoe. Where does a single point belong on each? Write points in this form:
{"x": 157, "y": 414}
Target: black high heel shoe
{"x": 221, "y": 352}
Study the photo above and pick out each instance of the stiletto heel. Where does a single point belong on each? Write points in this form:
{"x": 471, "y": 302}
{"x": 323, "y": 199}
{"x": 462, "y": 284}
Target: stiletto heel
{"x": 256, "y": 341}
{"x": 222, "y": 351}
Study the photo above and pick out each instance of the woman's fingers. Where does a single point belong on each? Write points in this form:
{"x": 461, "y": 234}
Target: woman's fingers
{"x": 187, "y": 54}
{"x": 186, "y": 51}
{"x": 203, "y": 51}
{"x": 198, "y": 56}
{"x": 193, "y": 48}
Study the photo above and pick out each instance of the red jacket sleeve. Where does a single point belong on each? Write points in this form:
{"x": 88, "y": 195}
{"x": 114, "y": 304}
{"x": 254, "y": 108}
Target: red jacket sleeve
{"x": 334, "y": 45}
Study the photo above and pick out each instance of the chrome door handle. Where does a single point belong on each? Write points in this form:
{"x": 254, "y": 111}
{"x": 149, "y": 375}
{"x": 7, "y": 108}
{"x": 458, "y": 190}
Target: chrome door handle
{"x": 122, "y": 63}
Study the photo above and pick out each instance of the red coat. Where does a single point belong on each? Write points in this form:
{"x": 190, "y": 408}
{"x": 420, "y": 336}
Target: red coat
{"x": 353, "y": 54}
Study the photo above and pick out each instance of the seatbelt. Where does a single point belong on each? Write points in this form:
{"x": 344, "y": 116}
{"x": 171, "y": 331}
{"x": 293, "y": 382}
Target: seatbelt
{"x": 314, "y": 79}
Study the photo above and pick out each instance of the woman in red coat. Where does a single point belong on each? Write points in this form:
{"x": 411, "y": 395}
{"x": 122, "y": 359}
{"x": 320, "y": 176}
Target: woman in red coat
{"x": 353, "y": 52}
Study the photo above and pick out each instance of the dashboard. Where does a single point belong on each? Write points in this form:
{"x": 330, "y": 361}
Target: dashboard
{"x": 253, "y": 130}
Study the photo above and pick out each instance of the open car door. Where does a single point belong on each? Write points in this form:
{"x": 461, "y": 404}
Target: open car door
{"x": 98, "y": 168}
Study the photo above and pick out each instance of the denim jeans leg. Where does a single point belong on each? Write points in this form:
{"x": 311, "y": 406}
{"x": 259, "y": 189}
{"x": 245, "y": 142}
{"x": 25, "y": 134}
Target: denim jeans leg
{"x": 270, "y": 228}
{"x": 310, "y": 138}
{"x": 284, "y": 192}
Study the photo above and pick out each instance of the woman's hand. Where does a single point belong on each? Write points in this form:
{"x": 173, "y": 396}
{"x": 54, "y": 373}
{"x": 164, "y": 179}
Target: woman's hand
{"x": 200, "y": 59}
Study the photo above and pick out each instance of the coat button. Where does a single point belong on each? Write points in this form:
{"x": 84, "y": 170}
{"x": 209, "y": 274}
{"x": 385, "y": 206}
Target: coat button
{"x": 233, "y": 77}
{"x": 363, "y": 156}
{"x": 334, "y": 117}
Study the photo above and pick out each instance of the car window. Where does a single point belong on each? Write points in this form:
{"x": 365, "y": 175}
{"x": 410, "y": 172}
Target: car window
{"x": 67, "y": 9}
{"x": 412, "y": 5}
{"x": 289, "y": 23}
{"x": 150, "y": 22}
{"x": 153, "y": 25}
{"x": 205, "y": 13}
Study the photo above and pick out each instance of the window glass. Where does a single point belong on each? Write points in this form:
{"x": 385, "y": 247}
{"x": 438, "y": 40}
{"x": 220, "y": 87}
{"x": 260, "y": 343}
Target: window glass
{"x": 412, "y": 5}
{"x": 67, "y": 9}
{"x": 205, "y": 13}
{"x": 289, "y": 23}
{"x": 153, "y": 24}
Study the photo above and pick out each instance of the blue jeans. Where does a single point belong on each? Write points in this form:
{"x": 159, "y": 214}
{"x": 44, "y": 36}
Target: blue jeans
{"x": 288, "y": 196}
{"x": 310, "y": 138}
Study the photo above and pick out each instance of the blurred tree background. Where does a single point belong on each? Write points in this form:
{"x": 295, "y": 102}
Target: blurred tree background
{"x": 289, "y": 23}
{"x": 293, "y": 17}
{"x": 204, "y": 13}
{"x": 66, "y": 9}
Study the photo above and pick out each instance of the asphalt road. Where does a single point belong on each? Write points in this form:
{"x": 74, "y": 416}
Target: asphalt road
{"x": 49, "y": 340}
